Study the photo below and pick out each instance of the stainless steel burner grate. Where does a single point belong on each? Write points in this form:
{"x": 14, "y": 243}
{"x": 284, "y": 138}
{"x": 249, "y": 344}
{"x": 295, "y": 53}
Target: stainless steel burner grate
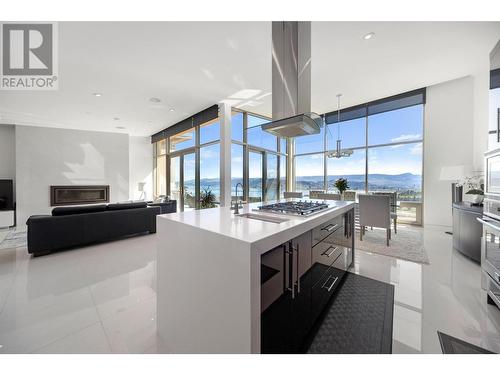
{"x": 301, "y": 208}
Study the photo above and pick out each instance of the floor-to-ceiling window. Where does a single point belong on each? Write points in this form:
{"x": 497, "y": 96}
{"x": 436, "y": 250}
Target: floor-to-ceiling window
{"x": 385, "y": 138}
{"x": 352, "y": 168}
{"x": 309, "y": 172}
{"x": 187, "y": 166}
{"x": 209, "y": 164}
{"x": 258, "y": 159}
{"x": 189, "y": 160}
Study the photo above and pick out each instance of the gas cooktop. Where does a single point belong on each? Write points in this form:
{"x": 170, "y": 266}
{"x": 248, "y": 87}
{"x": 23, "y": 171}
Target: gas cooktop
{"x": 300, "y": 208}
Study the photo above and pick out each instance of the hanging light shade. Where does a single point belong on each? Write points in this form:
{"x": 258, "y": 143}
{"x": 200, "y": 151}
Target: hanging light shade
{"x": 339, "y": 152}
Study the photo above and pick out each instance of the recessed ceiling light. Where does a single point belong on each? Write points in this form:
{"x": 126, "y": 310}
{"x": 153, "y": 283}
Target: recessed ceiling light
{"x": 121, "y": 127}
{"x": 172, "y": 109}
{"x": 97, "y": 94}
{"x": 155, "y": 100}
{"x": 369, "y": 36}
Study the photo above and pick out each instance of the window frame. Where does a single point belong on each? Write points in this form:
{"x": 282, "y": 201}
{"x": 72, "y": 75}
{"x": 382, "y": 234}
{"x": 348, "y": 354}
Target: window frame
{"x": 246, "y": 149}
{"x": 366, "y": 147}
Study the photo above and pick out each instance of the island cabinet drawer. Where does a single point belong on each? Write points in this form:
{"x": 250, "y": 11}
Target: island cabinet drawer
{"x": 324, "y": 289}
{"x": 324, "y": 230}
{"x": 326, "y": 252}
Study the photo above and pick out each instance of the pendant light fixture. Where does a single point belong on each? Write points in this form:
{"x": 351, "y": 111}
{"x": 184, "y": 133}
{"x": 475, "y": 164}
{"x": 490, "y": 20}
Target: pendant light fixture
{"x": 339, "y": 152}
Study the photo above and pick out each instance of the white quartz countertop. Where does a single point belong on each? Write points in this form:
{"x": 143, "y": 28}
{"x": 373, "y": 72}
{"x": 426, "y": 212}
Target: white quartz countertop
{"x": 223, "y": 221}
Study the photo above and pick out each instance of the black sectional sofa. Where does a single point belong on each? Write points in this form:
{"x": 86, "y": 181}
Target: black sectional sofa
{"x": 69, "y": 227}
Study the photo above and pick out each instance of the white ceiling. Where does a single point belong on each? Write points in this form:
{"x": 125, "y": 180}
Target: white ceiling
{"x": 191, "y": 66}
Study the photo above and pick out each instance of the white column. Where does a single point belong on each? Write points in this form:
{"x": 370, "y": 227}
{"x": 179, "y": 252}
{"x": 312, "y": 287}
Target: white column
{"x": 225, "y": 154}
{"x": 290, "y": 167}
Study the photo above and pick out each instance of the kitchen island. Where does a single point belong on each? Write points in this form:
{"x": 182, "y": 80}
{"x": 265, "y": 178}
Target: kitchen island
{"x": 248, "y": 283}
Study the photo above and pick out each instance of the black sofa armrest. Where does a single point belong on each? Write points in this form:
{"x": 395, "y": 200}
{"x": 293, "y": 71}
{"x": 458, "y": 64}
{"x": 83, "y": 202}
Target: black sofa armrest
{"x": 39, "y": 234}
{"x": 152, "y": 218}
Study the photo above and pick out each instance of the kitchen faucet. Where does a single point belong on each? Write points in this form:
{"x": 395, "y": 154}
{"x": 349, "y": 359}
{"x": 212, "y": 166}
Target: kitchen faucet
{"x": 236, "y": 204}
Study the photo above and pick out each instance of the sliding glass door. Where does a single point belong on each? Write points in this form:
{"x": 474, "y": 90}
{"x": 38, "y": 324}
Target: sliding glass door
{"x": 175, "y": 181}
{"x": 189, "y": 181}
{"x": 182, "y": 181}
{"x": 255, "y": 176}
{"x": 262, "y": 176}
{"x": 271, "y": 187}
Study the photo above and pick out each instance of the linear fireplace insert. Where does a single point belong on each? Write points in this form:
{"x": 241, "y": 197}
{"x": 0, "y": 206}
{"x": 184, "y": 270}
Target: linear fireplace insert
{"x": 81, "y": 194}
{"x": 6, "y": 195}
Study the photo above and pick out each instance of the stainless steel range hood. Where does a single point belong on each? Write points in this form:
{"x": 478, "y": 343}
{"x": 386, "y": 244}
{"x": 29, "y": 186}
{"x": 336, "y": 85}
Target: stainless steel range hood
{"x": 295, "y": 126}
{"x": 291, "y": 74}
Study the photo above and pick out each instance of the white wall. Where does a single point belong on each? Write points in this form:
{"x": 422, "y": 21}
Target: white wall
{"x": 448, "y": 141}
{"x": 481, "y": 115}
{"x": 140, "y": 167}
{"x": 7, "y": 152}
{"x": 50, "y": 156}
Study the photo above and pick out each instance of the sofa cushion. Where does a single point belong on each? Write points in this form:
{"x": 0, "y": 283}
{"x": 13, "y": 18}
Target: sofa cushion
{"x": 126, "y": 206}
{"x": 73, "y": 210}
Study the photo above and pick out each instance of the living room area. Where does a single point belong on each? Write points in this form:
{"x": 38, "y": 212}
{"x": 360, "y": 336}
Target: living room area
{"x": 49, "y": 167}
{"x": 51, "y": 297}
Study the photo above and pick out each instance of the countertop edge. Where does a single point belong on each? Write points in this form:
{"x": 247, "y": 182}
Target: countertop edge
{"x": 269, "y": 241}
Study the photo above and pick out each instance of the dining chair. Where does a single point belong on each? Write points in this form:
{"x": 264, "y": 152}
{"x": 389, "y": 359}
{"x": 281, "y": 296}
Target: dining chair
{"x": 350, "y": 195}
{"x": 329, "y": 196}
{"x": 374, "y": 211}
{"x": 313, "y": 194}
{"x": 394, "y": 206}
{"x": 292, "y": 194}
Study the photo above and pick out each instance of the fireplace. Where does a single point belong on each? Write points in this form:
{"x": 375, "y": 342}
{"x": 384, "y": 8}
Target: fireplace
{"x": 6, "y": 195}
{"x": 82, "y": 194}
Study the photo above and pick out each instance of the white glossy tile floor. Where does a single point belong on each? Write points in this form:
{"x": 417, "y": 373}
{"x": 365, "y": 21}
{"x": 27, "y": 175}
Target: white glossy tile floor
{"x": 102, "y": 299}
{"x": 444, "y": 295}
{"x": 97, "y": 299}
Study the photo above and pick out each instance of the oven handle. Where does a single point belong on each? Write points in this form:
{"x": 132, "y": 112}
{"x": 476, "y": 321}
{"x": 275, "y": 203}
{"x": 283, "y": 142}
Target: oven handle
{"x": 498, "y": 124}
{"x": 487, "y": 223}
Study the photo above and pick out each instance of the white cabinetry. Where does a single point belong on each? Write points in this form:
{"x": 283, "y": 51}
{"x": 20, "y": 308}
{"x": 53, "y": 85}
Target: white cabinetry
{"x": 494, "y": 99}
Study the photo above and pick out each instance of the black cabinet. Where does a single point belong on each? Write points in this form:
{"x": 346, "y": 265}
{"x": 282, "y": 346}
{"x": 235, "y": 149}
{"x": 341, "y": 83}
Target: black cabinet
{"x": 467, "y": 231}
{"x": 286, "y": 297}
{"x": 304, "y": 278}
{"x": 332, "y": 257}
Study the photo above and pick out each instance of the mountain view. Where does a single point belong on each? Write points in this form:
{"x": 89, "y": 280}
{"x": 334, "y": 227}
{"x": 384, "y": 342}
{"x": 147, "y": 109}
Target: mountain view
{"x": 408, "y": 185}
